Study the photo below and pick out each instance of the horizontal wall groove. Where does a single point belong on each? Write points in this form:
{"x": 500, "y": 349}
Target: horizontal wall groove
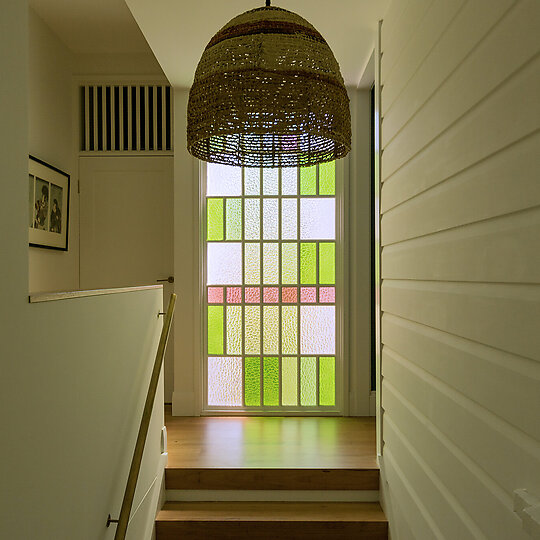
{"x": 458, "y": 65}
{"x": 437, "y": 329}
{"x": 495, "y": 422}
{"x": 480, "y": 102}
{"x": 462, "y": 226}
{"x": 466, "y": 169}
{"x": 426, "y": 283}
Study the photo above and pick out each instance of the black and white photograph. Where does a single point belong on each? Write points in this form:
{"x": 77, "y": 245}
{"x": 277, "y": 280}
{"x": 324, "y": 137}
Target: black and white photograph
{"x": 48, "y": 205}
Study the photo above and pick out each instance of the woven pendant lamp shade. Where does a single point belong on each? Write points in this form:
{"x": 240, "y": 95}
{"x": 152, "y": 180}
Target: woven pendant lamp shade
{"x": 268, "y": 92}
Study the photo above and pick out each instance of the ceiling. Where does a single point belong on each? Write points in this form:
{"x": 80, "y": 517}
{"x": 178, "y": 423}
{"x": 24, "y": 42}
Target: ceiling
{"x": 178, "y": 30}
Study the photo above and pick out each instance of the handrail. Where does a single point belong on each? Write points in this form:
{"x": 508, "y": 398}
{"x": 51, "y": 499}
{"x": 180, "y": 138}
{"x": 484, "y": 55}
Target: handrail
{"x": 133, "y": 476}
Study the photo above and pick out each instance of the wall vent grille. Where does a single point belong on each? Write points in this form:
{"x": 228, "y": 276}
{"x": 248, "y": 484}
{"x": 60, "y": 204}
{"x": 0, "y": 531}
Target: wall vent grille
{"x": 126, "y": 118}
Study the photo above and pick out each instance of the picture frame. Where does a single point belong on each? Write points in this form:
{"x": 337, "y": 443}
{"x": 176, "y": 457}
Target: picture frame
{"x": 48, "y": 205}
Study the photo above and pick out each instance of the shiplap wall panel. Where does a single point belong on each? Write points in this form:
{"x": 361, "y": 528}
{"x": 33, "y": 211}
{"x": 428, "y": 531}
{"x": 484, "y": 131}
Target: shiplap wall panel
{"x": 486, "y": 502}
{"x": 453, "y": 49}
{"x": 455, "y": 98}
{"x": 501, "y": 119}
{"x": 510, "y": 385}
{"x": 414, "y": 11}
{"x": 460, "y": 224}
{"x": 502, "y": 316}
{"x": 504, "y": 250}
{"x": 481, "y": 435}
{"x": 483, "y": 191}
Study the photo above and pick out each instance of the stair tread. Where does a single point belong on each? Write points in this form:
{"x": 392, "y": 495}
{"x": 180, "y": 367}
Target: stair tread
{"x": 272, "y": 511}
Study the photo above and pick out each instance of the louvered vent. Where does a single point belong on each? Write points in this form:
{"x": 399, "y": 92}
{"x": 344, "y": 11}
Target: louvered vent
{"x": 126, "y": 118}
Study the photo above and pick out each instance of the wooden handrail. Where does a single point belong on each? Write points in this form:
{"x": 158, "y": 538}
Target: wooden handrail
{"x": 129, "y": 494}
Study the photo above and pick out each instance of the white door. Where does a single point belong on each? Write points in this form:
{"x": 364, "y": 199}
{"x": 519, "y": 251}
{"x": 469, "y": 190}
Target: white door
{"x": 126, "y": 227}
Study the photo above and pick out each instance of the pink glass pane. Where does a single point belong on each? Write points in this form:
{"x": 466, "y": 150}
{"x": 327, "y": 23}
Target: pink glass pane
{"x": 271, "y": 295}
{"x": 289, "y": 295}
{"x": 327, "y": 295}
{"x": 253, "y": 295}
{"x": 308, "y": 295}
{"x": 234, "y": 295}
{"x": 215, "y": 295}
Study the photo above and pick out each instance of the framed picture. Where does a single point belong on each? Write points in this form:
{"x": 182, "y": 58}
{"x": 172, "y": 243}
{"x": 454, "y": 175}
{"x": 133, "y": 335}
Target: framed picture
{"x": 48, "y": 205}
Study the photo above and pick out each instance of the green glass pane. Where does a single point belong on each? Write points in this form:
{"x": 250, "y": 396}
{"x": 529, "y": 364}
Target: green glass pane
{"x": 308, "y": 381}
{"x": 271, "y": 381}
{"x": 327, "y": 178}
{"x": 308, "y": 267}
{"x": 289, "y": 263}
{"x": 289, "y": 329}
{"x": 252, "y": 383}
{"x": 253, "y": 329}
{"x": 214, "y": 228}
{"x": 215, "y": 329}
{"x": 234, "y": 330}
{"x": 289, "y": 381}
{"x": 327, "y": 263}
{"x": 327, "y": 381}
{"x": 308, "y": 180}
{"x": 234, "y": 219}
{"x": 270, "y": 329}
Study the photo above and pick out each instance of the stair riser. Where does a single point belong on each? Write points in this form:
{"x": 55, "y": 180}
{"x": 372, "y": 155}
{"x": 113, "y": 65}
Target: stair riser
{"x": 298, "y": 530}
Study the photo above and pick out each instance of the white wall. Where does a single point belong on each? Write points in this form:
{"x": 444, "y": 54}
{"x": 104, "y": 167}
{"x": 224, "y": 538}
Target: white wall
{"x": 72, "y": 371}
{"x": 51, "y": 139}
{"x": 461, "y": 266}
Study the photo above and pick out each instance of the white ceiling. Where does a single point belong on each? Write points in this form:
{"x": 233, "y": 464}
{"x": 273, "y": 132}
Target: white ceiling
{"x": 178, "y": 30}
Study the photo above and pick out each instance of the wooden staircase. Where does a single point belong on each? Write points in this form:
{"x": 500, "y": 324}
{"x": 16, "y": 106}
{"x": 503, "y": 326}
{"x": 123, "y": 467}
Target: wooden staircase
{"x": 226, "y": 480}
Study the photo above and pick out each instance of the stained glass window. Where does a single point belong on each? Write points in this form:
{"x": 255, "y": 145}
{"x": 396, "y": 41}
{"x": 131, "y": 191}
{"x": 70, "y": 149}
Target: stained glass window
{"x": 270, "y": 299}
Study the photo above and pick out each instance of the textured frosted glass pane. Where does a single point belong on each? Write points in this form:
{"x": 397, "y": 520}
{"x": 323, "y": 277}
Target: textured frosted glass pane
{"x": 327, "y": 178}
{"x": 289, "y": 181}
{"x": 224, "y": 263}
{"x": 270, "y": 330}
{"x": 253, "y": 329}
{"x": 289, "y": 381}
{"x": 234, "y": 295}
{"x": 308, "y": 381}
{"x": 271, "y": 382}
{"x": 289, "y": 264}
{"x": 327, "y": 295}
{"x": 215, "y": 295}
{"x": 308, "y": 269}
{"x": 289, "y": 219}
{"x": 252, "y": 390}
{"x": 215, "y": 329}
{"x": 253, "y": 264}
{"x": 234, "y": 219}
{"x": 270, "y": 219}
{"x": 270, "y": 295}
{"x": 327, "y": 381}
{"x": 270, "y": 181}
{"x": 253, "y": 181}
{"x": 317, "y": 219}
{"x": 317, "y": 330}
{"x": 234, "y": 330}
{"x": 271, "y": 264}
{"x": 289, "y": 295}
{"x": 308, "y": 180}
{"x": 327, "y": 263}
{"x": 214, "y": 224}
{"x": 225, "y": 382}
{"x": 289, "y": 325}
{"x": 223, "y": 180}
{"x": 253, "y": 295}
{"x": 252, "y": 219}
{"x": 308, "y": 295}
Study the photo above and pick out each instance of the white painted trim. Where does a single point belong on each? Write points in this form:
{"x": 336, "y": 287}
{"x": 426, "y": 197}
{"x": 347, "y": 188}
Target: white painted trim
{"x": 272, "y": 495}
{"x": 52, "y": 296}
{"x": 373, "y": 403}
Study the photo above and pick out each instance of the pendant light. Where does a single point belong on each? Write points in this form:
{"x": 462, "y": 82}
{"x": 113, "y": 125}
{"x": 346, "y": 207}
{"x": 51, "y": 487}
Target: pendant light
{"x": 268, "y": 92}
